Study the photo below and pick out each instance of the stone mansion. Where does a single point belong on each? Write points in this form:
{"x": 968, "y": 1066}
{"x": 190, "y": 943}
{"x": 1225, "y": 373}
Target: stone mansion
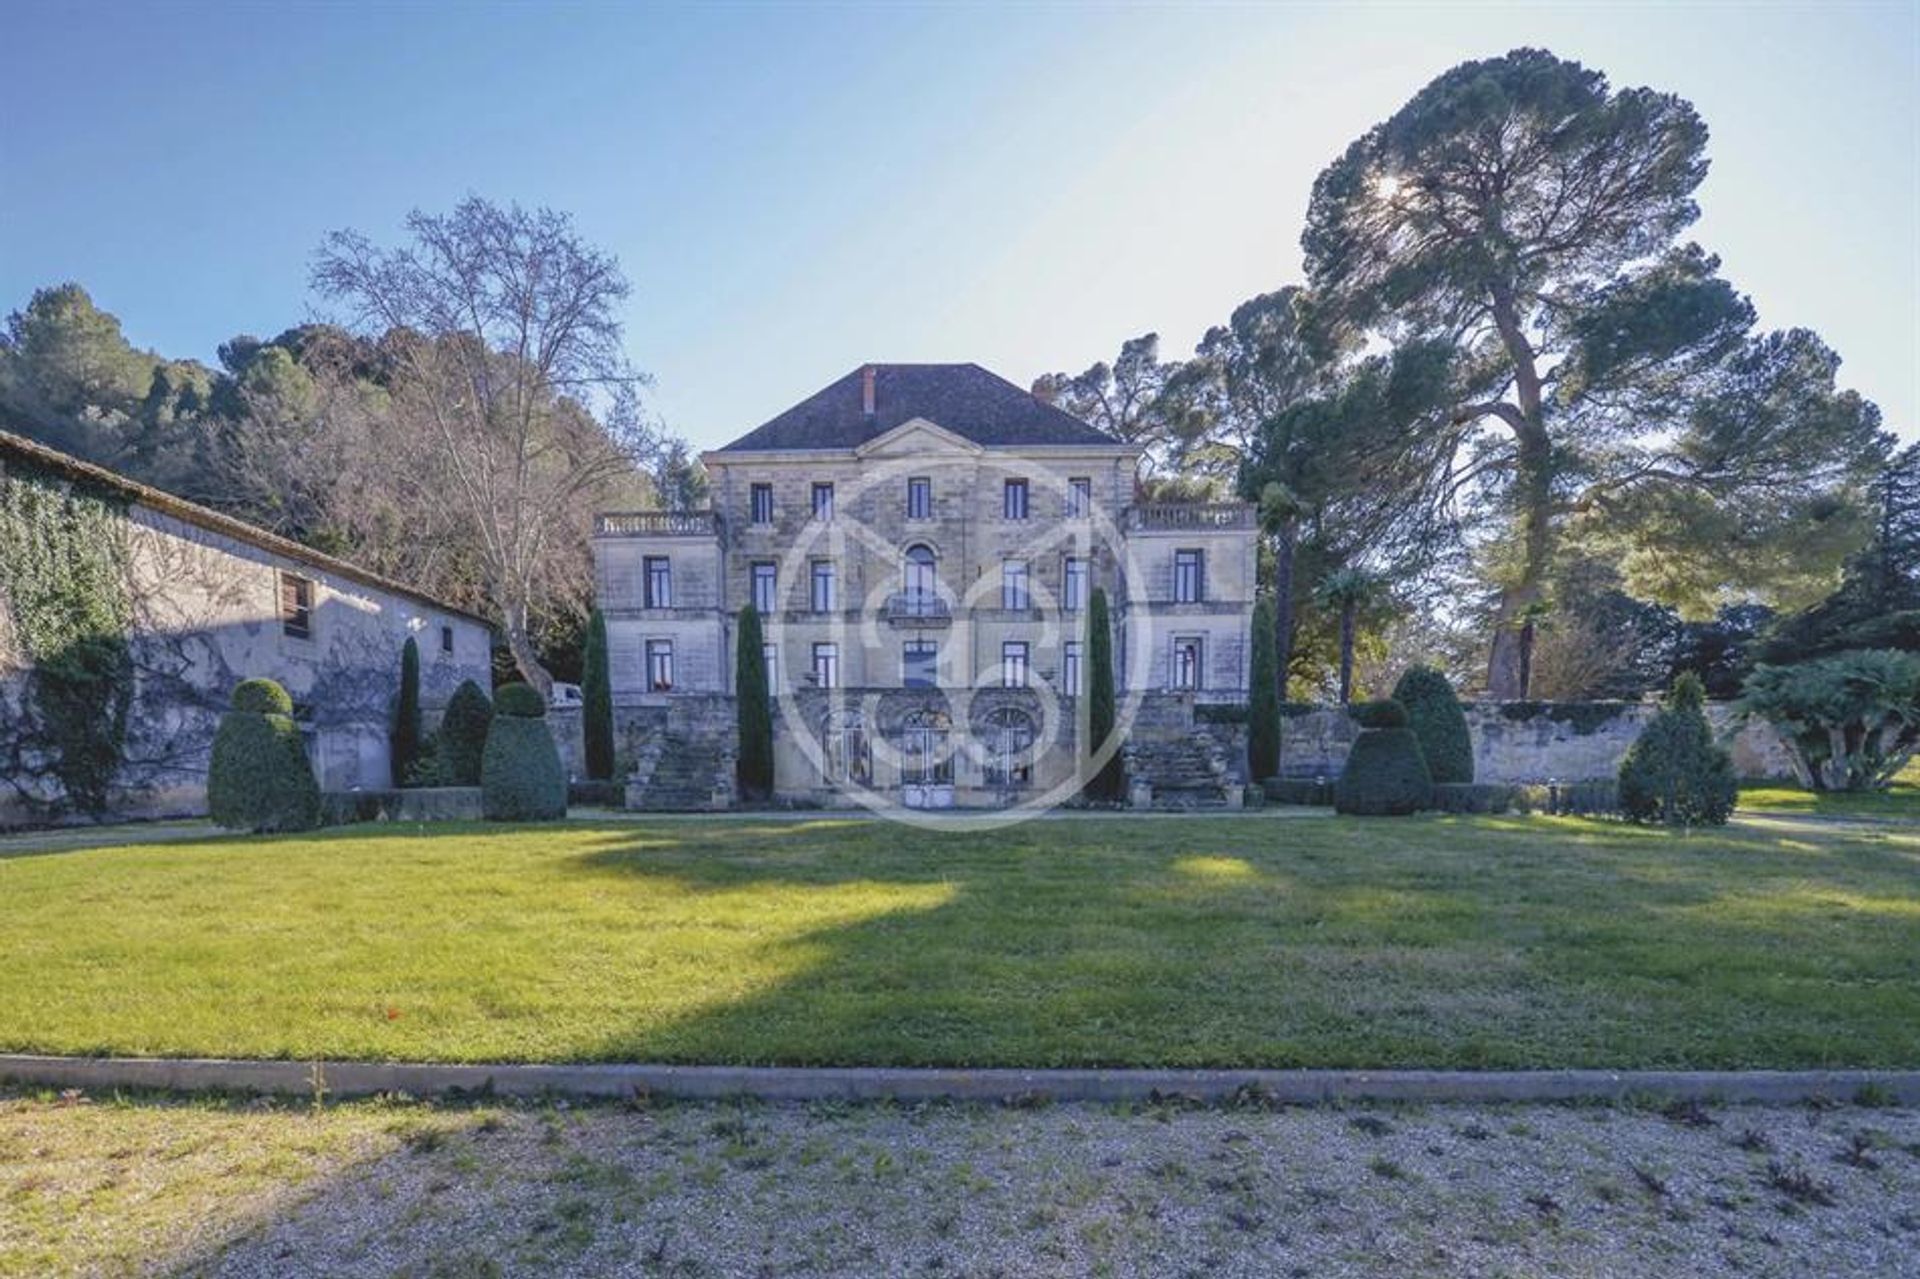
{"x": 921, "y": 542}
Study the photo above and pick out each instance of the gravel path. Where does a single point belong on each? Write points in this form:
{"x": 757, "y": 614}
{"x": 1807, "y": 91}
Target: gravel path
{"x": 755, "y": 1190}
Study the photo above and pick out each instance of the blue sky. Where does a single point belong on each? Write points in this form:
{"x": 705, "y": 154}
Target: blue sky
{"x": 794, "y": 190}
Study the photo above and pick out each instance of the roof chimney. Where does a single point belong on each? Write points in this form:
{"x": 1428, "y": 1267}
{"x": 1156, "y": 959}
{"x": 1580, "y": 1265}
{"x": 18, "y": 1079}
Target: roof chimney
{"x": 866, "y": 390}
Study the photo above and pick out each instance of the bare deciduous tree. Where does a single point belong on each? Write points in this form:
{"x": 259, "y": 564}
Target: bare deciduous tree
{"x": 507, "y": 358}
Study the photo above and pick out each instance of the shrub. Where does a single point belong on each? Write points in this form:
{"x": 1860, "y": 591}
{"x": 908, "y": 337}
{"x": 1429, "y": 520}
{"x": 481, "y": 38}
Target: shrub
{"x": 1385, "y": 773}
{"x": 1385, "y": 714}
{"x": 753, "y": 705}
{"x": 261, "y": 697}
{"x": 597, "y": 794}
{"x": 1292, "y": 790}
{"x": 522, "y": 701}
{"x": 596, "y": 690}
{"x": 1434, "y": 715}
{"x": 260, "y": 778}
{"x": 1263, "y": 701}
{"x": 1477, "y": 797}
{"x": 463, "y": 735}
{"x": 1675, "y": 773}
{"x": 403, "y": 744}
{"x": 1850, "y": 721}
{"x": 520, "y": 775}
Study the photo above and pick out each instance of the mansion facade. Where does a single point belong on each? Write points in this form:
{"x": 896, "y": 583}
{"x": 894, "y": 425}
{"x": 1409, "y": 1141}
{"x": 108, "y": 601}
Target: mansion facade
{"x": 921, "y": 543}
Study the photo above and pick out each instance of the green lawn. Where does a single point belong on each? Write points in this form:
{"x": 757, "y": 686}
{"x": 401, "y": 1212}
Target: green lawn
{"x": 1900, "y": 801}
{"x": 1306, "y": 941}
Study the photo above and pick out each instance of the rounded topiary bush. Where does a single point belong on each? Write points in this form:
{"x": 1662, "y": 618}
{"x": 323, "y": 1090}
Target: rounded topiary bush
{"x": 1674, "y": 772}
{"x": 261, "y": 697}
{"x": 520, "y": 775}
{"x": 521, "y": 700}
{"x": 1434, "y": 715}
{"x": 1385, "y": 774}
{"x": 462, "y": 738}
{"x": 260, "y": 778}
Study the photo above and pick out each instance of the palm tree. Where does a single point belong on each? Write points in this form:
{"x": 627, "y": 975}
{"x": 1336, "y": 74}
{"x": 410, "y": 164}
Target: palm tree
{"x": 1347, "y": 589}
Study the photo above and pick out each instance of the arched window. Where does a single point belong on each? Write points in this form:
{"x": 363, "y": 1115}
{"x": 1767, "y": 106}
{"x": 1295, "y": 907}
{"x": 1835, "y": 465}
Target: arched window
{"x": 922, "y": 591}
{"x": 1009, "y": 743}
{"x": 849, "y": 755}
{"x": 926, "y": 752}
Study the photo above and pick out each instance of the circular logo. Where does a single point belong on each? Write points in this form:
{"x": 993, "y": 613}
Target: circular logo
{"x": 948, "y": 688}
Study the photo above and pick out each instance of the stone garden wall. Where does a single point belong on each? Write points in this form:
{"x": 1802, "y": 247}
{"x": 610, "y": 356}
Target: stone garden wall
{"x": 1533, "y": 741}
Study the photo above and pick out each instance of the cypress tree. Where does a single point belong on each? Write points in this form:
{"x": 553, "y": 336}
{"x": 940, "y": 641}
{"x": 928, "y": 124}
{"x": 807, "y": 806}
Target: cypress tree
{"x": 1109, "y": 781}
{"x": 754, "y": 766}
{"x": 596, "y": 690}
{"x": 1263, "y": 704}
{"x": 404, "y": 742}
{"x": 1434, "y": 714}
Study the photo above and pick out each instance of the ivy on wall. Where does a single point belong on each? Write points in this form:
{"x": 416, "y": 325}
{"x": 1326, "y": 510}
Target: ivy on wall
{"x": 64, "y": 588}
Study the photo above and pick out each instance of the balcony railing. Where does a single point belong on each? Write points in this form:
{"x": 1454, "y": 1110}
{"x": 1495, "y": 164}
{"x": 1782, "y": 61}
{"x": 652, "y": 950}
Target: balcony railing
{"x": 1197, "y": 516}
{"x": 918, "y": 605}
{"x": 653, "y": 524}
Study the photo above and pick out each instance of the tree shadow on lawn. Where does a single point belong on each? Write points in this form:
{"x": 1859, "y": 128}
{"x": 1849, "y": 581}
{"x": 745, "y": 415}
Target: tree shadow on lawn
{"x": 1425, "y": 942}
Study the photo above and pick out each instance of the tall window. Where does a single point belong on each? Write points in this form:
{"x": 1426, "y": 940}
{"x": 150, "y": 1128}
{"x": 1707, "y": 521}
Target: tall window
{"x": 1079, "y": 497}
{"x": 766, "y": 587}
{"x": 921, "y": 589}
{"x": 823, "y": 501}
{"x": 919, "y": 664}
{"x": 849, "y": 755}
{"x": 1013, "y": 584}
{"x": 1070, "y": 668}
{"x": 761, "y": 506}
{"x": 919, "y": 498}
{"x": 1013, "y": 500}
{"x": 446, "y": 639}
{"x": 826, "y": 665}
{"x": 1186, "y": 662}
{"x": 659, "y": 581}
{"x": 1073, "y": 593}
{"x": 660, "y": 665}
{"x": 1013, "y": 664}
{"x": 770, "y": 654}
{"x": 1189, "y": 577}
{"x": 822, "y": 593}
{"x": 296, "y": 606}
{"x": 1009, "y": 742}
{"x": 926, "y": 756}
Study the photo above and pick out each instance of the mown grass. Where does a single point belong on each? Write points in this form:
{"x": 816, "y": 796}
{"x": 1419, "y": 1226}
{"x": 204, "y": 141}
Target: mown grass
{"x": 1431, "y": 941}
{"x": 1900, "y": 801}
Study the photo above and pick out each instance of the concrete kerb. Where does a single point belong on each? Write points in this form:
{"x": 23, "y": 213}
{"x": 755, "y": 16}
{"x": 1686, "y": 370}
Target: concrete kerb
{"x": 791, "y": 1084}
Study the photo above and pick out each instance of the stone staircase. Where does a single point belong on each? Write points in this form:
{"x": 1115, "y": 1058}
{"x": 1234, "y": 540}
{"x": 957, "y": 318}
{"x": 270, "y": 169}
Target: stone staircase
{"x": 680, "y": 774}
{"x": 1187, "y": 772}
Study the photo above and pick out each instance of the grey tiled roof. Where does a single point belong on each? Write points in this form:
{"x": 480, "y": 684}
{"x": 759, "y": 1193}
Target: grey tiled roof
{"x": 963, "y": 398}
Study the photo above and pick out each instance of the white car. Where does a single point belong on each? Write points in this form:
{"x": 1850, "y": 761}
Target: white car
{"x": 565, "y": 697}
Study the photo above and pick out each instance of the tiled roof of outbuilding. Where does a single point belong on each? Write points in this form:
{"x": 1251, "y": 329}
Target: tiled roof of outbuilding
{"x": 964, "y": 398}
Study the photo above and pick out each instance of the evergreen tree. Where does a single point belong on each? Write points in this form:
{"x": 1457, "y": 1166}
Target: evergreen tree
{"x": 463, "y": 734}
{"x": 596, "y": 689}
{"x": 753, "y": 702}
{"x": 1675, "y": 773}
{"x": 404, "y": 741}
{"x": 1108, "y": 781}
{"x": 1263, "y": 704}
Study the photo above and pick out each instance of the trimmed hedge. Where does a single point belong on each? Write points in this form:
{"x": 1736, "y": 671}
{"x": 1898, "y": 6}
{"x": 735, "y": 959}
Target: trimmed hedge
{"x": 1675, "y": 773}
{"x": 597, "y": 794}
{"x": 1385, "y": 774}
{"x": 260, "y": 778}
{"x": 1434, "y": 715}
{"x": 1292, "y": 790}
{"x": 520, "y": 775}
{"x": 462, "y": 738}
{"x": 1383, "y": 714}
{"x": 1478, "y": 797}
{"x": 521, "y": 700}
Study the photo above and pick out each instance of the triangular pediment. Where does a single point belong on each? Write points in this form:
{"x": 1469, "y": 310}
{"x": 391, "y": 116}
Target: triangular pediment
{"x": 917, "y": 436}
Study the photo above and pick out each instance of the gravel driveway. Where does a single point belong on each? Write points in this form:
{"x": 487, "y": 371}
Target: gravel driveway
{"x": 753, "y": 1190}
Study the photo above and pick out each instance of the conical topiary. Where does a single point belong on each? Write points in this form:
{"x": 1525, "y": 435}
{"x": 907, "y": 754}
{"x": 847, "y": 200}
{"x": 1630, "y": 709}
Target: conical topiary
{"x": 1385, "y": 774}
{"x": 463, "y": 734}
{"x": 1434, "y": 715}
